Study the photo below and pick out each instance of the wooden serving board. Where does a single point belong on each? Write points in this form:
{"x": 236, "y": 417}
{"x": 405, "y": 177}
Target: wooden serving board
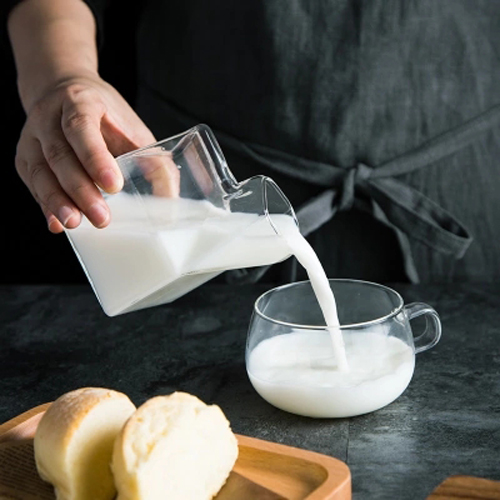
{"x": 466, "y": 487}
{"x": 263, "y": 471}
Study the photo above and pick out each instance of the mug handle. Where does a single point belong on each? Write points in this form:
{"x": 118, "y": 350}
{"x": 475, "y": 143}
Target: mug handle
{"x": 432, "y": 331}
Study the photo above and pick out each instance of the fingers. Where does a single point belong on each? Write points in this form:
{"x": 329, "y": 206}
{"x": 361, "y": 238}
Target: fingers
{"x": 53, "y": 223}
{"x": 132, "y": 134}
{"x": 58, "y": 182}
{"x": 160, "y": 170}
{"x": 62, "y": 158}
{"x": 200, "y": 174}
{"x": 35, "y": 172}
{"x": 81, "y": 125}
{"x": 162, "y": 173}
{"x": 73, "y": 189}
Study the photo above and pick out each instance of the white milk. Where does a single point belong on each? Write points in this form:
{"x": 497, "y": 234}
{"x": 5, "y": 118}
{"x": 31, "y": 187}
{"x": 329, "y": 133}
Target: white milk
{"x": 307, "y": 257}
{"x": 297, "y": 372}
{"x": 157, "y": 249}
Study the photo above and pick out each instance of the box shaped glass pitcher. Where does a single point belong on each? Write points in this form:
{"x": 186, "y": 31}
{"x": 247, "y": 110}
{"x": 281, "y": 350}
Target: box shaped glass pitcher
{"x": 180, "y": 220}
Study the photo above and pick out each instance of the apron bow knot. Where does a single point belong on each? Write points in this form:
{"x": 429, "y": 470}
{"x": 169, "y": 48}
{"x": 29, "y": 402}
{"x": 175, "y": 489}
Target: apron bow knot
{"x": 351, "y": 179}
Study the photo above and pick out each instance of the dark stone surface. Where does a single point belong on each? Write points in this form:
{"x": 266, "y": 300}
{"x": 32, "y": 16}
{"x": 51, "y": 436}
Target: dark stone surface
{"x": 56, "y": 338}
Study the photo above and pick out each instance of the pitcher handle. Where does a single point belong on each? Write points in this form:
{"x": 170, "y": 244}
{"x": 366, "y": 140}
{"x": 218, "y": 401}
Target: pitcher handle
{"x": 432, "y": 331}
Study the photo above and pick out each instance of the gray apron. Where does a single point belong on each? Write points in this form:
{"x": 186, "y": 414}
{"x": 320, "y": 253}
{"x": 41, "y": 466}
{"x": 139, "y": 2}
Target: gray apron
{"x": 367, "y": 114}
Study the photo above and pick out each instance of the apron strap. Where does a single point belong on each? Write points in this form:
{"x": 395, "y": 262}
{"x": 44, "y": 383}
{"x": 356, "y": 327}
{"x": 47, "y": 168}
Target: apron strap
{"x": 403, "y": 206}
{"x": 406, "y": 210}
{"x": 420, "y": 217}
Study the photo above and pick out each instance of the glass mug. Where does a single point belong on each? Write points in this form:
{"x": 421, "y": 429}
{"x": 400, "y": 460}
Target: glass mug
{"x": 180, "y": 220}
{"x": 290, "y": 358}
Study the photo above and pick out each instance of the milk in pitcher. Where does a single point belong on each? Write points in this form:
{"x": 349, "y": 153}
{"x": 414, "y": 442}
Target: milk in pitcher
{"x": 157, "y": 249}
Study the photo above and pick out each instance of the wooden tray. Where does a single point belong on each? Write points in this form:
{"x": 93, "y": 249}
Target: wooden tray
{"x": 466, "y": 487}
{"x": 263, "y": 471}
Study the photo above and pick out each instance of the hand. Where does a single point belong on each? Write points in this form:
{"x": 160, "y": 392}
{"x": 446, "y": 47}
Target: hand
{"x": 67, "y": 148}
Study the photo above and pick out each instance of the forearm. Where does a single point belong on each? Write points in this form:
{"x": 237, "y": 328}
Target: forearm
{"x": 52, "y": 41}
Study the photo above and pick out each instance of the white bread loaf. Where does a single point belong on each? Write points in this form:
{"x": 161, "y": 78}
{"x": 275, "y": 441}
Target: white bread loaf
{"x": 174, "y": 448}
{"x": 74, "y": 442}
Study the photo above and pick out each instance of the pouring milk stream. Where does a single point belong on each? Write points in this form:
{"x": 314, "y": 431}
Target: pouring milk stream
{"x": 306, "y": 256}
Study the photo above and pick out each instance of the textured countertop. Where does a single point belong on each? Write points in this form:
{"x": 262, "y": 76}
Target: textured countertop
{"x": 56, "y": 338}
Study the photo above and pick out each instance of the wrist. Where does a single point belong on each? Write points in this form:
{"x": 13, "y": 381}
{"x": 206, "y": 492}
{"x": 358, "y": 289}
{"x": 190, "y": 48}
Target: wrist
{"x": 53, "y": 41}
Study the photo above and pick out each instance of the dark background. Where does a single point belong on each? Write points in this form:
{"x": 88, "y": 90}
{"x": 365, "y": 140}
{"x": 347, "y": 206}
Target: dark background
{"x": 31, "y": 254}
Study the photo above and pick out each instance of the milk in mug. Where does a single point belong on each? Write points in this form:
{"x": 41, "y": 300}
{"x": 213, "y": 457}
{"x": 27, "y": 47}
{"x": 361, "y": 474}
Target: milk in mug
{"x": 297, "y": 372}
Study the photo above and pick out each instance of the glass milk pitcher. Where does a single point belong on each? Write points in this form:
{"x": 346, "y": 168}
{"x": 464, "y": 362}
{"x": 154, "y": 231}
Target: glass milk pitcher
{"x": 180, "y": 220}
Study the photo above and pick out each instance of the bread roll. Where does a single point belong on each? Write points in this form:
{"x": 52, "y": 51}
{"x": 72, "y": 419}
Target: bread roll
{"x": 174, "y": 448}
{"x": 74, "y": 442}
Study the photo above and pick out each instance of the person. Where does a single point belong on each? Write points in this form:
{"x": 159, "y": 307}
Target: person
{"x": 379, "y": 120}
